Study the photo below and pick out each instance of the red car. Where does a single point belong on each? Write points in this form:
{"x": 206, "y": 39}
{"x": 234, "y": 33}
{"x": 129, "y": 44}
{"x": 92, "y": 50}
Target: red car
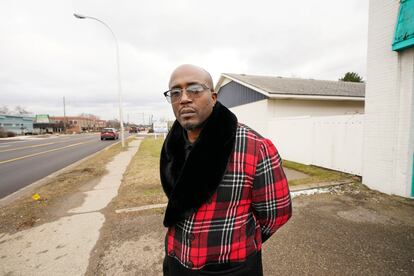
{"x": 109, "y": 133}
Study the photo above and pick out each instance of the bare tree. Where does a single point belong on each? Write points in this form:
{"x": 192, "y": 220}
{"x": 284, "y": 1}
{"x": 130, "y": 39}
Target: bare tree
{"x": 113, "y": 123}
{"x": 88, "y": 115}
{"x": 19, "y": 110}
{"x": 4, "y": 109}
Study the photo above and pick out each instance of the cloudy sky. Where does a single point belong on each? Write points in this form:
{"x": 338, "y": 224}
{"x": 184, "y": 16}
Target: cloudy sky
{"x": 47, "y": 54}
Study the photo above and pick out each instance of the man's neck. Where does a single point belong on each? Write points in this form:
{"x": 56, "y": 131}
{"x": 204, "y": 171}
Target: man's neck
{"x": 193, "y": 135}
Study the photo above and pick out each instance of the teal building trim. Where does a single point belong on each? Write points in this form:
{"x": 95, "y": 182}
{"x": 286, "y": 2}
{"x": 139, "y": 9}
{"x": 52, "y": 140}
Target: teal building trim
{"x": 412, "y": 180}
{"x": 404, "y": 29}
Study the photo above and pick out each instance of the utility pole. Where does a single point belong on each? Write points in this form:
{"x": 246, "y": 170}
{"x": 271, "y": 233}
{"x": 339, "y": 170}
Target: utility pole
{"x": 64, "y": 115}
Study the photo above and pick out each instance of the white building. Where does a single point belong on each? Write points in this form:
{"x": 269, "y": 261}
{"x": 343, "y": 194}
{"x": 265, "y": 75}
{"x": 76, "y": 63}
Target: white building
{"x": 256, "y": 100}
{"x": 312, "y": 122}
{"x": 389, "y": 105}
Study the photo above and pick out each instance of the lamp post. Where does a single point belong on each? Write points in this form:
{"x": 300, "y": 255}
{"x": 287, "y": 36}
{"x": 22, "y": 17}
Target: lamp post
{"x": 118, "y": 69}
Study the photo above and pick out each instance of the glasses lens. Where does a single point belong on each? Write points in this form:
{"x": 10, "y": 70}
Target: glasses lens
{"x": 167, "y": 95}
{"x": 175, "y": 94}
{"x": 195, "y": 88}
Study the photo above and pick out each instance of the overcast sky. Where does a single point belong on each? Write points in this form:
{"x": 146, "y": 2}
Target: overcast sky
{"x": 47, "y": 54}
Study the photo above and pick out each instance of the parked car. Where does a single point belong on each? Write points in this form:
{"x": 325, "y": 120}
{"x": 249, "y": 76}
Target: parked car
{"x": 133, "y": 129}
{"x": 109, "y": 133}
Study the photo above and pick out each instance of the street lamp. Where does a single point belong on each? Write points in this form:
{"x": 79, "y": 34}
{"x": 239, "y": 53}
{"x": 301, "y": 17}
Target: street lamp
{"x": 119, "y": 71}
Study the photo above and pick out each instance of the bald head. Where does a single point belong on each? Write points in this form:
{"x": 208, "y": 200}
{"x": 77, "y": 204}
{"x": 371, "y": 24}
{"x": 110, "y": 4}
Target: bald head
{"x": 196, "y": 72}
{"x": 192, "y": 109}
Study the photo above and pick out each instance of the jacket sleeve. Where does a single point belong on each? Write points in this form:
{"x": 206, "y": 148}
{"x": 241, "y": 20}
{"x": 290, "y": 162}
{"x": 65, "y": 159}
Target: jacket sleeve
{"x": 271, "y": 197}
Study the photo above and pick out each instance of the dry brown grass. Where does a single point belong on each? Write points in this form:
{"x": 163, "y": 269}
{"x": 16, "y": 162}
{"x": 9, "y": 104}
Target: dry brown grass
{"x": 25, "y": 211}
{"x": 141, "y": 182}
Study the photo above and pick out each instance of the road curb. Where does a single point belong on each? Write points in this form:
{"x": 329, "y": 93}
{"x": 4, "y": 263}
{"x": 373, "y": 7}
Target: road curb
{"x": 29, "y": 188}
{"x": 294, "y": 193}
{"x": 141, "y": 208}
{"x": 322, "y": 185}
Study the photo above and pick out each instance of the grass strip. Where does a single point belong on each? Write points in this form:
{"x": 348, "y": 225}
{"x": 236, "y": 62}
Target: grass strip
{"x": 141, "y": 182}
{"x": 316, "y": 174}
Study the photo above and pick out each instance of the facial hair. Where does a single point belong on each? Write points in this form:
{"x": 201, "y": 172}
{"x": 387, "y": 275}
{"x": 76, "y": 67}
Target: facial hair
{"x": 191, "y": 126}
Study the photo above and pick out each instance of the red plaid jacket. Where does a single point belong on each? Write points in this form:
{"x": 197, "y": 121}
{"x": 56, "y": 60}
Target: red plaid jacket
{"x": 250, "y": 204}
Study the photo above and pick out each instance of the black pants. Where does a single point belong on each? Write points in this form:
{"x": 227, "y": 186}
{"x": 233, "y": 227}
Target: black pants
{"x": 251, "y": 267}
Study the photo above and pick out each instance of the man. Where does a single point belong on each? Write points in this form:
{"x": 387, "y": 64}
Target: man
{"x": 227, "y": 192}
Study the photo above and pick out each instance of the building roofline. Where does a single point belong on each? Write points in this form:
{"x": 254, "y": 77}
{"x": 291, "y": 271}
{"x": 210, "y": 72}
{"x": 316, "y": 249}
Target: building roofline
{"x": 282, "y": 95}
{"x": 316, "y": 97}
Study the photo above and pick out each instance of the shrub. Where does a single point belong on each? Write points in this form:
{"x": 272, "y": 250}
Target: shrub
{"x": 4, "y": 133}
{"x": 10, "y": 134}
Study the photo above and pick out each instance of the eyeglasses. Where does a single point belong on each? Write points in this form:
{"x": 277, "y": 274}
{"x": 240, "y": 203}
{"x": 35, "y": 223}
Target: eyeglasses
{"x": 193, "y": 91}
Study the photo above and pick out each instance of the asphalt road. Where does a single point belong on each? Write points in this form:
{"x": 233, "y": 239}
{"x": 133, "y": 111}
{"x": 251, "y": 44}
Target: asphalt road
{"x": 23, "y": 162}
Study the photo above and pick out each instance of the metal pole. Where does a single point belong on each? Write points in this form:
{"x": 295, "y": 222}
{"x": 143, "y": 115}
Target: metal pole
{"x": 118, "y": 73}
{"x": 64, "y": 115}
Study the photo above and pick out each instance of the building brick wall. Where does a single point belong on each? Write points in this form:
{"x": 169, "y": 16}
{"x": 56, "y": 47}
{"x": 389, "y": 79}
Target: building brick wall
{"x": 388, "y": 132}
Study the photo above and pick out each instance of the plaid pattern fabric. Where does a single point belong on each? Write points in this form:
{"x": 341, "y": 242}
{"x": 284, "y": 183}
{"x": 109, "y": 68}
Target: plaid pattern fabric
{"x": 250, "y": 204}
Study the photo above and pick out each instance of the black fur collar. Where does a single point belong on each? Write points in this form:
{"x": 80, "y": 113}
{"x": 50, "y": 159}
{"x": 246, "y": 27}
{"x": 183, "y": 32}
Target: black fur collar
{"x": 189, "y": 184}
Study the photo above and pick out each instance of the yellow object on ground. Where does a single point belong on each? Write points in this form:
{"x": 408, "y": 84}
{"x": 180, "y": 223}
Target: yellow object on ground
{"x": 36, "y": 196}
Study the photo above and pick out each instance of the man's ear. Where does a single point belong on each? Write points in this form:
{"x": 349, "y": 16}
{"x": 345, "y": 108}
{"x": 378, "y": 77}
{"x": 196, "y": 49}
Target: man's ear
{"x": 214, "y": 96}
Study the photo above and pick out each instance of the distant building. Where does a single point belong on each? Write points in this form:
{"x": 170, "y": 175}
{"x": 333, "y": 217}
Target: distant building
{"x": 160, "y": 127}
{"x": 43, "y": 124}
{"x": 19, "y": 124}
{"x": 100, "y": 124}
{"x": 78, "y": 124}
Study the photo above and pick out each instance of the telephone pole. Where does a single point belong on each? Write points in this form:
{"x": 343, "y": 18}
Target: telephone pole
{"x": 64, "y": 115}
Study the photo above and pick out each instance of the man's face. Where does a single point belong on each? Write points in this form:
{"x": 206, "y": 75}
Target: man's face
{"x": 191, "y": 111}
